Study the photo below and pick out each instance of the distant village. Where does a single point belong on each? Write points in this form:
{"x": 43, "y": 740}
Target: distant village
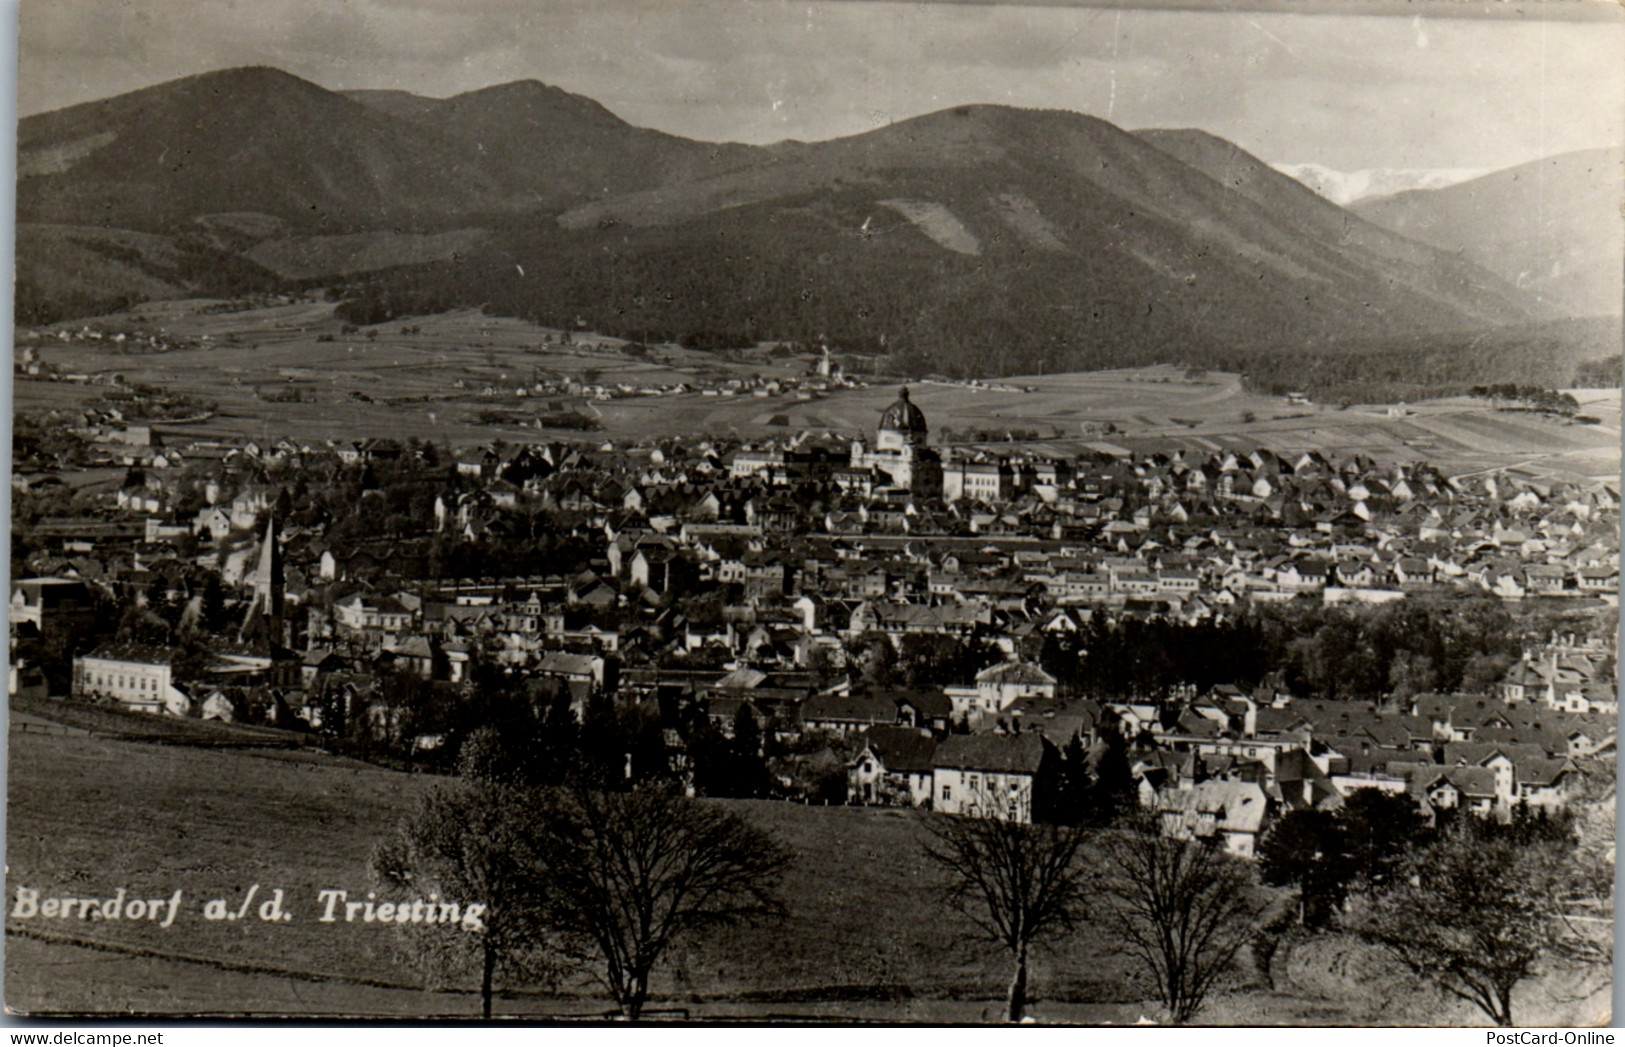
{"x": 887, "y": 621}
{"x": 547, "y": 400}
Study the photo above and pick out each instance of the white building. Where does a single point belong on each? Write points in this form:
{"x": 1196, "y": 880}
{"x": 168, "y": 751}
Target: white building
{"x": 988, "y": 775}
{"x": 136, "y": 677}
{"x": 1219, "y": 811}
{"x": 900, "y": 451}
{"x": 1000, "y": 686}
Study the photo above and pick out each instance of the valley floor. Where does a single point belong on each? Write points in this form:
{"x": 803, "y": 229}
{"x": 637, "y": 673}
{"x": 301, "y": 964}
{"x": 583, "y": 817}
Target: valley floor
{"x": 458, "y": 368}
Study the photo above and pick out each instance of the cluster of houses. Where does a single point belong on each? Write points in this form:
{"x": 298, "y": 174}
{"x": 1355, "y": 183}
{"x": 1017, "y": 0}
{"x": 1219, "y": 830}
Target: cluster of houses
{"x": 131, "y": 340}
{"x": 901, "y": 522}
{"x": 1230, "y": 760}
{"x": 801, "y": 545}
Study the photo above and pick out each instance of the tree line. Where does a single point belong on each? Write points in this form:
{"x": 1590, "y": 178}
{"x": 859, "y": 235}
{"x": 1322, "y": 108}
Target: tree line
{"x": 578, "y": 880}
{"x": 1337, "y": 651}
{"x": 1532, "y": 397}
{"x": 588, "y": 854}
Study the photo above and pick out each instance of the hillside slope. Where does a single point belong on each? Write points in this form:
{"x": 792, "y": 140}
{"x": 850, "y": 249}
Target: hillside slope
{"x": 65, "y": 271}
{"x": 1554, "y": 228}
{"x": 981, "y": 239}
{"x": 978, "y": 240}
{"x": 1425, "y": 270}
{"x": 554, "y": 148}
{"x": 241, "y": 140}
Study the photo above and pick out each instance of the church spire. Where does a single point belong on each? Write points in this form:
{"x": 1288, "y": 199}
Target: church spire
{"x": 268, "y": 580}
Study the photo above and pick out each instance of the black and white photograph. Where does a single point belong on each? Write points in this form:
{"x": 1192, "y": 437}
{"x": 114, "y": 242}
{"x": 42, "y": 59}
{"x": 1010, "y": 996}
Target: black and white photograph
{"x": 822, "y": 512}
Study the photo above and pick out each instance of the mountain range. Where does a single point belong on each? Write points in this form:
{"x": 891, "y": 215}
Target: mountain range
{"x": 1554, "y": 228}
{"x": 979, "y": 239}
{"x": 1347, "y": 187}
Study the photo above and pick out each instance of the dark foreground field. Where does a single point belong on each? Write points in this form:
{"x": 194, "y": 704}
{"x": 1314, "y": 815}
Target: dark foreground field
{"x": 865, "y": 939}
{"x": 89, "y": 815}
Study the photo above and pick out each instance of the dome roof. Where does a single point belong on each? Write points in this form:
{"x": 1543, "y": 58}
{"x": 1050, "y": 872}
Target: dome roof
{"x": 903, "y": 416}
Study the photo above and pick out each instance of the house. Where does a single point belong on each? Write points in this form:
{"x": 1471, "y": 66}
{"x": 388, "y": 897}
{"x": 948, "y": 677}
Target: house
{"x": 999, "y": 686}
{"x": 847, "y": 713}
{"x": 892, "y": 768}
{"x": 384, "y": 615}
{"x": 1061, "y": 722}
{"x": 219, "y": 707}
{"x": 135, "y": 676}
{"x": 317, "y": 661}
{"x": 1545, "y": 783}
{"x": 1217, "y": 811}
{"x": 990, "y": 775}
{"x": 765, "y": 576}
{"x": 1354, "y": 574}
{"x": 1508, "y": 764}
{"x": 1302, "y": 576}
{"x": 53, "y": 605}
{"x": 1449, "y": 788}
{"x": 1177, "y": 583}
{"x": 1544, "y": 579}
{"x": 1598, "y": 579}
{"x": 927, "y": 710}
{"x": 1413, "y": 570}
{"x": 414, "y": 655}
{"x": 582, "y": 673}
{"x": 246, "y": 509}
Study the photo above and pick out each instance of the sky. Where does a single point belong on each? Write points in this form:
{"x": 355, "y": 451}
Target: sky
{"x": 1439, "y": 84}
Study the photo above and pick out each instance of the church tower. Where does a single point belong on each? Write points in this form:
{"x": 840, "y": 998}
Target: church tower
{"x": 900, "y": 450}
{"x": 268, "y": 583}
{"x": 902, "y": 426}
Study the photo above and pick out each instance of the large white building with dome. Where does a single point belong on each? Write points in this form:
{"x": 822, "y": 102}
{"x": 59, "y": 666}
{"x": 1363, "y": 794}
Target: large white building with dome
{"x": 900, "y": 450}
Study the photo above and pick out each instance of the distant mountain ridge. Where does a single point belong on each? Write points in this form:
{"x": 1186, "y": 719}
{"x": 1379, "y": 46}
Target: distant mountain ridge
{"x": 1554, "y": 228}
{"x": 554, "y": 148}
{"x": 980, "y": 239}
{"x": 238, "y": 140}
{"x": 977, "y": 239}
{"x": 1347, "y": 187}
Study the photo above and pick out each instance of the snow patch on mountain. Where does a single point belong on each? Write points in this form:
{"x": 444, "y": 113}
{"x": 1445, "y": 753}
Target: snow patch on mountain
{"x": 1345, "y": 187}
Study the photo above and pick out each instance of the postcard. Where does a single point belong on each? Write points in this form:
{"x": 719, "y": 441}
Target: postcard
{"x": 929, "y": 513}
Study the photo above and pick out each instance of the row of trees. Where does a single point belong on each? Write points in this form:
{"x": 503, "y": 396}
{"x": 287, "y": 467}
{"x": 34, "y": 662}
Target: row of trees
{"x": 1338, "y": 651}
{"x": 533, "y": 733}
{"x": 1472, "y": 905}
{"x": 1486, "y": 906}
{"x": 578, "y": 881}
{"x": 1323, "y": 854}
{"x": 920, "y": 659}
{"x": 1600, "y": 374}
{"x": 589, "y": 876}
{"x": 1531, "y": 396}
{"x": 1182, "y": 909}
{"x": 1424, "y": 364}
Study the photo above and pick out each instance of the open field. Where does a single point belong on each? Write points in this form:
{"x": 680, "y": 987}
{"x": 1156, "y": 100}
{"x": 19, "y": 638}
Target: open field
{"x": 213, "y": 822}
{"x": 864, "y": 939}
{"x": 439, "y": 380}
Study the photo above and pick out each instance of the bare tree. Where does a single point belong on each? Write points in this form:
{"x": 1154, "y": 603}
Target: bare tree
{"x": 475, "y": 843}
{"x": 1019, "y": 884}
{"x": 1183, "y": 908}
{"x": 633, "y": 872}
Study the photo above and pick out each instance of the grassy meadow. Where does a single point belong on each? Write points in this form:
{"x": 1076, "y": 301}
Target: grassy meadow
{"x": 90, "y": 814}
{"x": 865, "y": 938}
